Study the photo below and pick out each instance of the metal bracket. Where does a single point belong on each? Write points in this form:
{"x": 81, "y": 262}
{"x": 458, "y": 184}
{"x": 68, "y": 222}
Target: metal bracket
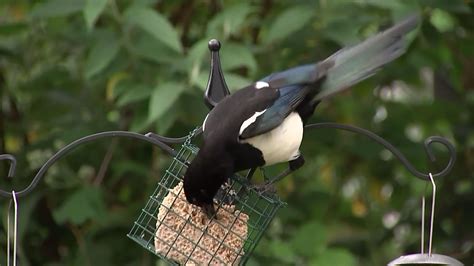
{"x": 150, "y": 138}
{"x": 403, "y": 160}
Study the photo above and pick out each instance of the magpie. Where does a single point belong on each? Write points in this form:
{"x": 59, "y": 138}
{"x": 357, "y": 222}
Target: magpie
{"x": 262, "y": 124}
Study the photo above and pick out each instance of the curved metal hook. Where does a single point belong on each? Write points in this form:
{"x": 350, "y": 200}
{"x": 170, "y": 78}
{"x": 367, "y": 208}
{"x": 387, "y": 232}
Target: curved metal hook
{"x": 448, "y": 145}
{"x": 173, "y": 140}
{"x": 396, "y": 152}
{"x": 11, "y": 158}
{"x": 150, "y": 137}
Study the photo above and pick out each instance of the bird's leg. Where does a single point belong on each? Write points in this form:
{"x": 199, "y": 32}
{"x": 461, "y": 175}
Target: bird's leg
{"x": 265, "y": 177}
{"x": 296, "y": 163}
{"x": 293, "y": 166}
{"x": 268, "y": 185}
{"x": 250, "y": 174}
{"x": 209, "y": 210}
{"x": 245, "y": 187}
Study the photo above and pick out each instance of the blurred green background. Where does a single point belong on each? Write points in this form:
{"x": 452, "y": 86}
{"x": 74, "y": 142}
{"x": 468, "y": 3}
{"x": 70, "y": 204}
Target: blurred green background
{"x": 69, "y": 68}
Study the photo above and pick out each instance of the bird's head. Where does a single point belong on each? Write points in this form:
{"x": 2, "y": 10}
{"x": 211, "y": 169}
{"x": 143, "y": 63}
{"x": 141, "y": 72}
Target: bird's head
{"x": 201, "y": 182}
{"x": 202, "y": 199}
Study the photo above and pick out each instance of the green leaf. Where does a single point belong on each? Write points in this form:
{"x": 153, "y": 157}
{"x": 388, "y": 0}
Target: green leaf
{"x": 460, "y": 6}
{"x": 289, "y": 22}
{"x": 133, "y": 94}
{"x": 165, "y": 122}
{"x": 199, "y": 50}
{"x": 28, "y": 206}
{"x": 201, "y": 79}
{"x": 56, "y": 8}
{"x": 163, "y": 97}
{"x": 282, "y": 250}
{"x": 442, "y": 20}
{"x": 146, "y": 46}
{"x": 380, "y": 3}
{"x": 156, "y": 25}
{"x": 237, "y": 55}
{"x": 7, "y": 29}
{"x": 309, "y": 238}
{"x": 85, "y": 204}
{"x": 343, "y": 31}
{"x": 229, "y": 21}
{"x": 195, "y": 58}
{"x": 235, "y": 82}
{"x": 92, "y": 10}
{"x": 102, "y": 53}
{"x": 140, "y": 121}
{"x": 144, "y": 2}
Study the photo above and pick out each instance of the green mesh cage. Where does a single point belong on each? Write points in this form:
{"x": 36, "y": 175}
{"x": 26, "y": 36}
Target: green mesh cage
{"x": 172, "y": 229}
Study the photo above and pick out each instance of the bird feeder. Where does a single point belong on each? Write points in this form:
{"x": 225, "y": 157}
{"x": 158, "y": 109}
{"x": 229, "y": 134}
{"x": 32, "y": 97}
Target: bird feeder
{"x": 179, "y": 232}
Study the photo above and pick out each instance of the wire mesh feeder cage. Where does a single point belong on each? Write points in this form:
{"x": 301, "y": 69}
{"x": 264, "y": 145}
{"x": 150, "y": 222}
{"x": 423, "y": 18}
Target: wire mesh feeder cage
{"x": 181, "y": 233}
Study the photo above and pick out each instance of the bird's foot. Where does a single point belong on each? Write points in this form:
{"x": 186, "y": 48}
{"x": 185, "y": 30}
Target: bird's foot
{"x": 266, "y": 188}
{"x": 226, "y": 195}
{"x": 209, "y": 210}
{"x": 296, "y": 163}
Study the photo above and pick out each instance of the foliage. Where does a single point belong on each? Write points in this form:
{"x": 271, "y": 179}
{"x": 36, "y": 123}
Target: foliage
{"x": 69, "y": 68}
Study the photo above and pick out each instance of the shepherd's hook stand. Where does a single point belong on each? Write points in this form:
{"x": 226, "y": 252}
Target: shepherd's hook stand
{"x": 216, "y": 90}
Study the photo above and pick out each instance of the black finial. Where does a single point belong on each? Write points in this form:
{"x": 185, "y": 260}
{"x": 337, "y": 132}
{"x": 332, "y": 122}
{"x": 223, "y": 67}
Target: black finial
{"x": 214, "y": 45}
{"x": 216, "y": 87}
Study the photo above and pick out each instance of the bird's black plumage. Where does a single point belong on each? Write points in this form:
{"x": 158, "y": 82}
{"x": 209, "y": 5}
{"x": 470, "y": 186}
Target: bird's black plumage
{"x": 262, "y": 123}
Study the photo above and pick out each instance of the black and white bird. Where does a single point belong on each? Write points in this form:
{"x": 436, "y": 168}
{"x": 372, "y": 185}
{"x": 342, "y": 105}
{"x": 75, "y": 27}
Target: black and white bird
{"x": 262, "y": 124}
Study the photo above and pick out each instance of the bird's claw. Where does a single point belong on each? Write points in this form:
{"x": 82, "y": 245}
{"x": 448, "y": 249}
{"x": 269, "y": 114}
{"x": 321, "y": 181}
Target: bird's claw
{"x": 227, "y": 195}
{"x": 209, "y": 210}
{"x": 265, "y": 188}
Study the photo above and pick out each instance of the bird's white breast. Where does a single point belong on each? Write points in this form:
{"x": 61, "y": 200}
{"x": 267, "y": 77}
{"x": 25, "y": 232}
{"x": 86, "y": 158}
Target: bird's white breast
{"x": 282, "y": 143}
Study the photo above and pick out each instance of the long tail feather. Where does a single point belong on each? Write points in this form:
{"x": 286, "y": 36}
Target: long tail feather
{"x": 354, "y": 64}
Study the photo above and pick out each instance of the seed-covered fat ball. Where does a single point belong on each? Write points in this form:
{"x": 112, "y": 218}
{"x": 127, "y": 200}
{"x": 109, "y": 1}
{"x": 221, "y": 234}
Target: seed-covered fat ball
{"x": 186, "y": 235}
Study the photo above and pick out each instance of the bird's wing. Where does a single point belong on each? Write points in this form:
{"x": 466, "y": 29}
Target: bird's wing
{"x": 305, "y": 74}
{"x": 262, "y": 106}
{"x": 274, "y": 115}
{"x": 293, "y": 85}
{"x": 237, "y": 110}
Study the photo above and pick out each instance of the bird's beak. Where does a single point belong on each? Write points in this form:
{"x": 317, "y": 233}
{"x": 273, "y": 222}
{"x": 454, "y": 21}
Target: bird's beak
{"x": 209, "y": 210}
